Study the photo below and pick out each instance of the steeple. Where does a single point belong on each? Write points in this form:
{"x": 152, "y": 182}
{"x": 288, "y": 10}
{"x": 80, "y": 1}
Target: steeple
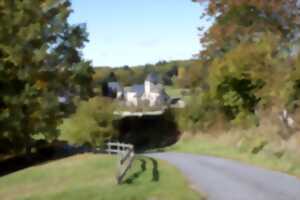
{"x": 153, "y": 78}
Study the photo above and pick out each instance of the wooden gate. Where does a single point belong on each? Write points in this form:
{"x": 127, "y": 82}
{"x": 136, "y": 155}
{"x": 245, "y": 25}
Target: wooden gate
{"x": 126, "y": 153}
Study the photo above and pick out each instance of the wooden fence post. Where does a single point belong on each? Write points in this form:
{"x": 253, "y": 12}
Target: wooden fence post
{"x": 109, "y": 150}
{"x": 126, "y": 157}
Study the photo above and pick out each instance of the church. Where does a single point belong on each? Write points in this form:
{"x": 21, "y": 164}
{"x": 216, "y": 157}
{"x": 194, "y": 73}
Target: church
{"x": 151, "y": 93}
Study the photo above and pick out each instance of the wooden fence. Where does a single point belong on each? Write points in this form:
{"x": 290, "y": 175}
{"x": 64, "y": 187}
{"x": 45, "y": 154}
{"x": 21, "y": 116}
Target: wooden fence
{"x": 126, "y": 152}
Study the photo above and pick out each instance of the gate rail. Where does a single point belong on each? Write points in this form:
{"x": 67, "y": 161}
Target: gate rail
{"x": 126, "y": 152}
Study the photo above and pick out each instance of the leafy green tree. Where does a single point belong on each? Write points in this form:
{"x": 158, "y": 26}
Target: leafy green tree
{"x": 92, "y": 124}
{"x": 40, "y": 68}
{"x": 182, "y": 79}
{"x": 242, "y": 77}
{"x": 199, "y": 114}
{"x": 290, "y": 92}
{"x": 249, "y": 53}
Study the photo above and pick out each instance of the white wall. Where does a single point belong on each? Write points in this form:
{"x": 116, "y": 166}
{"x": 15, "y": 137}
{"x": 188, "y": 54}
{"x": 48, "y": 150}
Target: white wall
{"x": 147, "y": 89}
{"x": 153, "y": 98}
{"x": 131, "y": 99}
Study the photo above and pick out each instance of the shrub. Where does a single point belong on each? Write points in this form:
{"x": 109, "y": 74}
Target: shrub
{"x": 92, "y": 124}
{"x": 241, "y": 78}
{"x": 199, "y": 113}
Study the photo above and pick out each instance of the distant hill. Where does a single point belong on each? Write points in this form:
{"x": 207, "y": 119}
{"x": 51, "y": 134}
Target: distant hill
{"x": 128, "y": 75}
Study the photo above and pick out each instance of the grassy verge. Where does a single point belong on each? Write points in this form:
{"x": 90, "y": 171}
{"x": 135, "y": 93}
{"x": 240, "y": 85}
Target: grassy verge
{"x": 211, "y": 146}
{"x": 177, "y": 92}
{"x": 90, "y": 176}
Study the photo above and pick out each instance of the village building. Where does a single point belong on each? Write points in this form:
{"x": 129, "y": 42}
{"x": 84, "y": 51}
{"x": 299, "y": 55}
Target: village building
{"x": 114, "y": 89}
{"x": 151, "y": 93}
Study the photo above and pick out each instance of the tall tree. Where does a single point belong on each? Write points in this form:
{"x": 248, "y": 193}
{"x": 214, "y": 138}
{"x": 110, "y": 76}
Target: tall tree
{"x": 41, "y": 68}
{"x": 244, "y": 45}
{"x": 237, "y": 21}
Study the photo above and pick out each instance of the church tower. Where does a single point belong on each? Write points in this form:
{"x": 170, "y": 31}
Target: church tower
{"x": 150, "y": 81}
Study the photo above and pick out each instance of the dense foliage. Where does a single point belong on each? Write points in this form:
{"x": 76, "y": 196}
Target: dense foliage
{"x": 199, "y": 114}
{"x": 244, "y": 20}
{"x": 182, "y": 74}
{"x": 251, "y": 59}
{"x": 92, "y": 124}
{"x": 40, "y": 69}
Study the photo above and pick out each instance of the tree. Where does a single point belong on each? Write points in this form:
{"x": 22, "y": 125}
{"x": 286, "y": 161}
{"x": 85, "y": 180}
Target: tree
{"x": 241, "y": 78}
{"x": 148, "y": 69}
{"x": 41, "y": 68}
{"x": 173, "y": 71}
{"x": 246, "y": 20}
{"x": 92, "y": 124}
{"x": 161, "y": 62}
{"x": 248, "y": 41}
{"x": 182, "y": 78}
{"x": 111, "y": 77}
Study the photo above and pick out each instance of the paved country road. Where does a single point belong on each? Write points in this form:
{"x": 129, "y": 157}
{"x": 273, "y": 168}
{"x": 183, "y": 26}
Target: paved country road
{"x": 222, "y": 179}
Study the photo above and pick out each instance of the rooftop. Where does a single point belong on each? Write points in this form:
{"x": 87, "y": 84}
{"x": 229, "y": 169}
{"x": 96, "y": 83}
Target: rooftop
{"x": 152, "y": 77}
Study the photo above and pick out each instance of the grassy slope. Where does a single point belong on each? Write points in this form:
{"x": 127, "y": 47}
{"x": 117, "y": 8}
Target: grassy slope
{"x": 172, "y": 91}
{"x": 89, "y": 176}
{"x": 210, "y": 146}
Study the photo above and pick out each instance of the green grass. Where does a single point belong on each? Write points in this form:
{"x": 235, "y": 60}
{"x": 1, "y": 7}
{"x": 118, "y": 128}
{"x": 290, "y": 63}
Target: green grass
{"x": 90, "y": 176}
{"x": 177, "y": 92}
{"x": 173, "y": 91}
{"x": 209, "y": 146}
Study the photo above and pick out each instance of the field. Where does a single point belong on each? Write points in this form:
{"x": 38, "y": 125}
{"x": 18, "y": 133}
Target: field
{"x": 90, "y": 176}
{"x": 177, "y": 92}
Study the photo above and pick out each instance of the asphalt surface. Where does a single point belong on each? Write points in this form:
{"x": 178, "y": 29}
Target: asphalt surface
{"x": 221, "y": 179}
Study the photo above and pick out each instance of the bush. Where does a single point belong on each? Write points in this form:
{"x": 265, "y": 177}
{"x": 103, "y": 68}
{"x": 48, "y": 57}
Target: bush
{"x": 199, "y": 113}
{"x": 92, "y": 124}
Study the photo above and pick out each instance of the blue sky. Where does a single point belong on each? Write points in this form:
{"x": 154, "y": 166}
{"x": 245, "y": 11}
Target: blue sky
{"x": 137, "y": 32}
